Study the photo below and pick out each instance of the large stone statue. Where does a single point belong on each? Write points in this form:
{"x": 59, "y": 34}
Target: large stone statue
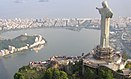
{"x": 106, "y": 14}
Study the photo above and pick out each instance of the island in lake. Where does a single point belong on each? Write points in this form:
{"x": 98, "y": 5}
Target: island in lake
{"x": 20, "y": 43}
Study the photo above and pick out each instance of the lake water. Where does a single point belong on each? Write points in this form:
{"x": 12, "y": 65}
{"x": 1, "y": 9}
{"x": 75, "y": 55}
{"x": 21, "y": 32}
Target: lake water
{"x": 59, "y": 42}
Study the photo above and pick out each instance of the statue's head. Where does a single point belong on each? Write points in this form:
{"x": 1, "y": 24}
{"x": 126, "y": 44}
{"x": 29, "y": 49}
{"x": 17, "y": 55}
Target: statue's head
{"x": 104, "y": 4}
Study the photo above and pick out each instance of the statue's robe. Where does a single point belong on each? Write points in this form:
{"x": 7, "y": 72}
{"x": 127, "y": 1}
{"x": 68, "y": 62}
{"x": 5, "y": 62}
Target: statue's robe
{"x": 106, "y": 14}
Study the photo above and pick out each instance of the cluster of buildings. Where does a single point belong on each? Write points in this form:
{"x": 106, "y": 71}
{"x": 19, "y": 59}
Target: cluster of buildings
{"x": 55, "y": 62}
{"x": 126, "y": 38}
{"x": 17, "y": 23}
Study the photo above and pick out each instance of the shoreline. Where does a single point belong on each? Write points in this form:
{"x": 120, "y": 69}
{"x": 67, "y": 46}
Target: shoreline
{"x": 39, "y": 40}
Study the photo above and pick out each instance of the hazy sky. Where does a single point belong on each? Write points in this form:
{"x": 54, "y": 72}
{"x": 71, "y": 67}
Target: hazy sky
{"x": 60, "y": 8}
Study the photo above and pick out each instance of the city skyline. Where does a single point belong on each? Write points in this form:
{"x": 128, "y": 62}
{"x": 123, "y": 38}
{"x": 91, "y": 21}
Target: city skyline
{"x": 60, "y": 8}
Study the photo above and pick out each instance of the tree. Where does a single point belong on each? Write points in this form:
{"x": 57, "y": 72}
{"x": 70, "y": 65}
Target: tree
{"x": 18, "y": 76}
{"x": 109, "y": 75}
{"x": 48, "y": 74}
{"x": 63, "y": 75}
{"x": 105, "y": 74}
{"x": 77, "y": 67}
{"x": 89, "y": 73}
{"x": 54, "y": 74}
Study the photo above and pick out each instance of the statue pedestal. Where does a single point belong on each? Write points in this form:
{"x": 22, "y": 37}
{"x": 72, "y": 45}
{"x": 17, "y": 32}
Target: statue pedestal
{"x": 103, "y": 53}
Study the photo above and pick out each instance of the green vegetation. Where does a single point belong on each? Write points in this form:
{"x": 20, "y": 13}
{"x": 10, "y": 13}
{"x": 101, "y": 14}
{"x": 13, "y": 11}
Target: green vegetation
{"x": 119, "y": 71}
{"x": 128, "y": 65}
{"x": 17, "y": 42}
{"x": 89, "y": 73}
{"x": 22, "y": 40}
{"x": 27, "y": 73}
{"x": 72, "y": 71}
{"x": 75, "y": 70}
{"x": 54, "y": 74}
{"x": 105, "y": 74}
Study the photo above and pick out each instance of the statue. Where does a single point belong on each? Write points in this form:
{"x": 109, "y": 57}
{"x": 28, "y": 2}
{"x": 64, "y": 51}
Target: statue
{"x": 106, "y": 14}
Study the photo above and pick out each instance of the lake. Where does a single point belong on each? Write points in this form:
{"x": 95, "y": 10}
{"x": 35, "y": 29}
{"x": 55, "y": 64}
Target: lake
{"x": 59, "y": 42}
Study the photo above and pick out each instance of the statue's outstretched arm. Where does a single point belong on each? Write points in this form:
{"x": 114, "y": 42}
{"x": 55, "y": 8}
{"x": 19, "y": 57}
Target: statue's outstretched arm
{"x": 99, "y": 9}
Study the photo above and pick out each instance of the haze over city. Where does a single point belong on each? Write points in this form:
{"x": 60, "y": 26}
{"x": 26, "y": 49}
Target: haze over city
{"x": 65, "y": 39}
{"x": 60, "y": 8}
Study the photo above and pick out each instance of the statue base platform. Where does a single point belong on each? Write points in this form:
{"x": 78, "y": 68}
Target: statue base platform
{"x": 103, "y": 53}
